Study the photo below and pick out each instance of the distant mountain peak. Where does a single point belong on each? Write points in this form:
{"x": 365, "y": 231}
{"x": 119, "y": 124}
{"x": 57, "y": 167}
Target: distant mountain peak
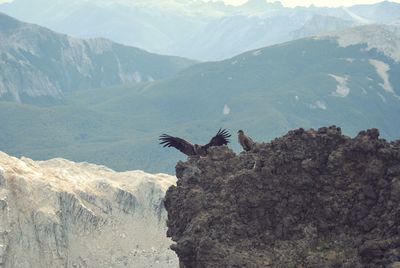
{"x": 260, "y": 5}
{"x": 198, "y": 29}
{"x": 39, "y": 63}
{"x": 384, "y": 38}
{"x": 7, "y": 22}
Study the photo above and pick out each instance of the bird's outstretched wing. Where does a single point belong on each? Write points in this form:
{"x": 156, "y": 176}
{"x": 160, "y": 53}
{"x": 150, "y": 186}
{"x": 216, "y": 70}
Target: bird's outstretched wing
{"x": 178, "y": 143}
{"x": 222, "y": 138}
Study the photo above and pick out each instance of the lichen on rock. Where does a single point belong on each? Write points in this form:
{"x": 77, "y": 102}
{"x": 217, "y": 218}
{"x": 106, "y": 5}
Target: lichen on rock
{"x": 312, "y": 198}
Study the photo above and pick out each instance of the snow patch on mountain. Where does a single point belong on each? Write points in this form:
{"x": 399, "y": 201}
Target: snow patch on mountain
{"x": 382, "y": 97}
{"x": 356, "y": 17}
{"x": 227, "y": 110}
{"x": 383, "y": 71}
{"x": 319, "y": 104}
{"x": 137, "y": 77}
{"x": 342, "y": 90}
{"x": 257, "y": 52}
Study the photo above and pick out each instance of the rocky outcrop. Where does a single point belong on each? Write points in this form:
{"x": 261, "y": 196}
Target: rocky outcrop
{"x": 307, "y": 199}
{"x": 59, "y": 213}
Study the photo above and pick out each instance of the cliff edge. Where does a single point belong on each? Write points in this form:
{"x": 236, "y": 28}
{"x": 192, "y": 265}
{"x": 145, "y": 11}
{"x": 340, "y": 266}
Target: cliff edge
{"x": 58, "y": 213}
{"x": 312, "y": 198}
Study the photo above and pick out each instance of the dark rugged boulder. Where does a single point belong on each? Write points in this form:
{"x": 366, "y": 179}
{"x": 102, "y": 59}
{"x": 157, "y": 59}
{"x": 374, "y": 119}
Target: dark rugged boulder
{"x": 307, "y": 199}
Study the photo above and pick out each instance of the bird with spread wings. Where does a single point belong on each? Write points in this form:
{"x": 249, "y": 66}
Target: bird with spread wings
{"x": 222, "y": 138}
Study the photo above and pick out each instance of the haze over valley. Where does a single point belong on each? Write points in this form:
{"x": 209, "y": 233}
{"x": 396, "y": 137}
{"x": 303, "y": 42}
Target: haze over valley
{"x": 87, "y": 87}
{"x": 196, "y": 29}
{"x": 64, "y": 96}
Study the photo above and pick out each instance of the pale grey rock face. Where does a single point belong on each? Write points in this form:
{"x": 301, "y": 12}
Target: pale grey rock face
{"x": 59, "y": 213}
{"x": 383, "y": 38}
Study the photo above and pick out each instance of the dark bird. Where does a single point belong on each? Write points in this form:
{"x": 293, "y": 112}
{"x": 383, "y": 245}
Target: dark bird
{"x": 222, "y": 138}
{"x": 246, "y": 142}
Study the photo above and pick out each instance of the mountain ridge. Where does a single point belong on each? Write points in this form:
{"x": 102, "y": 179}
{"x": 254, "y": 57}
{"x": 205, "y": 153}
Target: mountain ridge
{"x": 266, "y": 92}
{"x": 194, "y": 29}
{"x": 50, "y": 64}
{"x": 384, "y": 38}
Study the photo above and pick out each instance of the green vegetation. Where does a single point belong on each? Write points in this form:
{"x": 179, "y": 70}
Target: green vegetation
{"x": 119, "y": 126}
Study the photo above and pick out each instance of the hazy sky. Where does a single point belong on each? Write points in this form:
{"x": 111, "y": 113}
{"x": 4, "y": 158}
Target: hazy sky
{"x": 292, "y": 3}
{"x": 330, "y": 3}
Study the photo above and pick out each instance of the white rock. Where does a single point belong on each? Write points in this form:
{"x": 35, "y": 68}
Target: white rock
{"x": 383, "y": 71}
{"x": 58, "y": 213}
{"x": 342, "y": 90}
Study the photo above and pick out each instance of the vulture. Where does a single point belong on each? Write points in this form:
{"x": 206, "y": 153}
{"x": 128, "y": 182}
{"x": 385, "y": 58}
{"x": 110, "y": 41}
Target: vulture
{"x": 246, "y": 142}
{"x": 222, "y": 138}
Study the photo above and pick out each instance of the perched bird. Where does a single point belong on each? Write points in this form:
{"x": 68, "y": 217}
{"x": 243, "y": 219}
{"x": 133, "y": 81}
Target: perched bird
{"x": 222, "y": 138}
{"x": 246, "y": 142}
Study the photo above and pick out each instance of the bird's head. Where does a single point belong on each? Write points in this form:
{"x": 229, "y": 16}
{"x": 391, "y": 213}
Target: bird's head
{"x": 200, "y": 150}
{"x": 240, "y": 132}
